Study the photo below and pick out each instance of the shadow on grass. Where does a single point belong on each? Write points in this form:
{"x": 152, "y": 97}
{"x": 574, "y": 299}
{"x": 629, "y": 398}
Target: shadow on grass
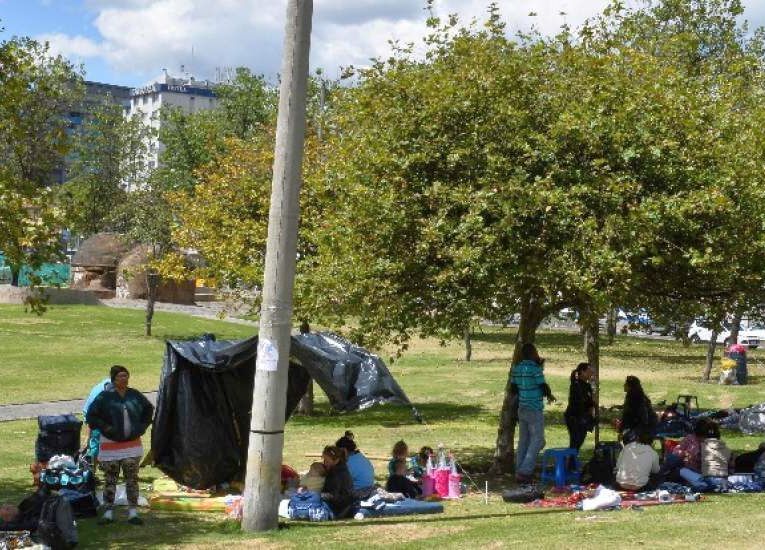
{"x": 389, "y": 416}
{"x": 434, "y": 518}
{"x": 680, "y": 360}
{"x": 544, "y": 339}
{"x": 13, "y": 491}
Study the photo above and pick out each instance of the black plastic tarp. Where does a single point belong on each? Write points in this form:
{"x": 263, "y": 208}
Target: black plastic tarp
{"x": 202, "y": 420}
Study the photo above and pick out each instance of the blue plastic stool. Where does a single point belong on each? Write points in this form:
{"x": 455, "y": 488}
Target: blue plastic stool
{"x": 555, "y": 467}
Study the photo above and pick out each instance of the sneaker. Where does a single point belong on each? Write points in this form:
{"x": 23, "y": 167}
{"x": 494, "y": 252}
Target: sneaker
{"x": 135, "y": 520}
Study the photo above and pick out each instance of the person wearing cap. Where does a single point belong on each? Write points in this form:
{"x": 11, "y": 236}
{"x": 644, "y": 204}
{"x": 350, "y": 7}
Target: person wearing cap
{"x": 361, "y": 469}
{"x": 122, "y": 415}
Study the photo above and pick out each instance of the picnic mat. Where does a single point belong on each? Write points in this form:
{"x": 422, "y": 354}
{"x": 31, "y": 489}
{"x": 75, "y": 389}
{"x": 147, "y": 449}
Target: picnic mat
{"x": 571, "y": 501}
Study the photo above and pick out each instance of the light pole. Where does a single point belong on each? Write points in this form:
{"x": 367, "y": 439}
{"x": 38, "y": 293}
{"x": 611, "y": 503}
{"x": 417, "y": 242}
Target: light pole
{"x": 264, "y": 458}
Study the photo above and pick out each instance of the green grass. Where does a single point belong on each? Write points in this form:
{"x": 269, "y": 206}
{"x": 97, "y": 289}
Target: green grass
{"x": 460, "y": 403}
{"x": 70, "y": 348}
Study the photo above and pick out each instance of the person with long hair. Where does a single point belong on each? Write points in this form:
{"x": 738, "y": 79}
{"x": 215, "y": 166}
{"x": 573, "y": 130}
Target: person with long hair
{"x": 338, "y": 485}
{"x": 637, "y": 414}
{"x": 580, "y": 412}
{"x": 528, "y": 383}
{"x": 361, "y": 469}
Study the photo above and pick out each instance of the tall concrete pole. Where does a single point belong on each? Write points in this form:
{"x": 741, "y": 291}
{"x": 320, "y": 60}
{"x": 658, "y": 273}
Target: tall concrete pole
{"x": 264, "y": 459}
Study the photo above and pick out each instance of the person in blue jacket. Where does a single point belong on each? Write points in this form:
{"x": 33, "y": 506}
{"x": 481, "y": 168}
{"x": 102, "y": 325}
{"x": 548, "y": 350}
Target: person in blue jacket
{"x": 361, "y": 469}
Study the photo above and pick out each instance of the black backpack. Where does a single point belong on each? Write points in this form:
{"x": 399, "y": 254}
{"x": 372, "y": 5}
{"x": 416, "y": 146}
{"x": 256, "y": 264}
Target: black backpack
{"x": 601, "y": 467}
{"x": 56, "y": 527}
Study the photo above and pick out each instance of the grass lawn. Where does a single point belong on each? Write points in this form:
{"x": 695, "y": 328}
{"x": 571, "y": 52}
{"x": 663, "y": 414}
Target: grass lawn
{"x": 459, "y": 402}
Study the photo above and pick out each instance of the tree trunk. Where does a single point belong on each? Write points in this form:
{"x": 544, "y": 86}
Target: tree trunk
{"x": 684, "y": 334}
{"x": 710, "y": 355}
{"x": 468, "y": 344}
{"x": 305, "y": 406}
{"x": 735, "y": 327}
{"x": 15, "y": 272}
{"x": 151, "y": 296}
{"x": 504, "y": 454}
{"x": 611, "y": 325}
{"x": 593, "y": 358}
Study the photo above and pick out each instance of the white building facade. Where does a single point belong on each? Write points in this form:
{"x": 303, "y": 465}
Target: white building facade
{"x": 188, "y": 94}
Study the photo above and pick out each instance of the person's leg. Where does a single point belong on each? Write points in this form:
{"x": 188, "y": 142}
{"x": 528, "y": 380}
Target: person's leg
{"x": 523, "y": 441}
{"x": 111, "y": 470}
{"x": 130, "y": 472}
{"x": 536, "y": 435}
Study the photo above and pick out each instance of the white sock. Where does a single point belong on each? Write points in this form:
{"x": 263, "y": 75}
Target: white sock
{"x": 132, "y": 513}
{"x": 108, "y": 514}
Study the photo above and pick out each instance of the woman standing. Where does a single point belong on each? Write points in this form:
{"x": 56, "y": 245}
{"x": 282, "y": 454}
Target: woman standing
{"x": 580, "y": 412}
{"x": 122, "y": 415}
{"x": 338, "y": 486}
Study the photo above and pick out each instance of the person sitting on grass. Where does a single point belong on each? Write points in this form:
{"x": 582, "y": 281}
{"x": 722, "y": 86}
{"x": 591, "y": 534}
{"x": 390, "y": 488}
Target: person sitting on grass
{"x": 398, "y": 482}
{"x": 686, "y": 454}
{"x": 400, "y": 452}
{"x": 420, "y": 461}
{"x": 122, "y": 415}
{"x": 361, "y": 469}
{"x": 637, "y": 462}
{"x": 338, "y": 485}
{"x": 313, "y": 479}
{"x": 716, "y": 457}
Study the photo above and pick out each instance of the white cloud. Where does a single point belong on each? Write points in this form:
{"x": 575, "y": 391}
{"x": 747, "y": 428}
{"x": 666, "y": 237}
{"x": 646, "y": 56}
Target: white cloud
{"x": 73, "y": 47}
{"x": 139, "y": 37}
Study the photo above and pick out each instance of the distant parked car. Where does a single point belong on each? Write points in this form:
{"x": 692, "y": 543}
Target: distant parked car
{"x": 746, "y": 337}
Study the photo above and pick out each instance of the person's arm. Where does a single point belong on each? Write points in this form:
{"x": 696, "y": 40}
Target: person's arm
{"x": 95, "y": 417}
{"x": 655, "y": 465}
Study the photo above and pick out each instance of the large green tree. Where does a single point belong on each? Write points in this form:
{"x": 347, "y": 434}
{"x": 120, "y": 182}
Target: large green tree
{"x": 109, "y": 159}
{"x": 38, "y": 90}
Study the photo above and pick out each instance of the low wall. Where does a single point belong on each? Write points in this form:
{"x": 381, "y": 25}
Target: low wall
{"x": 56, "y": 296}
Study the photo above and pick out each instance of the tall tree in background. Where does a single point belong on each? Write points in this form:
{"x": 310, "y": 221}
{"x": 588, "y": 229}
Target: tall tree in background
{"x": 109, "y": 159}
{"x": 38, "y": 90}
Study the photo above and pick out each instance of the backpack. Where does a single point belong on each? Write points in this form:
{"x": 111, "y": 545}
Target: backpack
{"x": 56, "y": 527}
{"x": 601, "y": 467}
{"x": 308, "y": 505}
{"x": 57, "y": 435}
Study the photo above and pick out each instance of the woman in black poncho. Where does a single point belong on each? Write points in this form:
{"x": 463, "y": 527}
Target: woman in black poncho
{"x": 580, "y": 412}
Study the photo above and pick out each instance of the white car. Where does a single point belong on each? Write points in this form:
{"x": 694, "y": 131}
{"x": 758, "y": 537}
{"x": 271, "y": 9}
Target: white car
{"x": 746, "y": 336}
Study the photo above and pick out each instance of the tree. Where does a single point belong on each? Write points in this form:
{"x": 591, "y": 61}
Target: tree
{"x": 109, "y": 159}
{"x": 37, "y": 89}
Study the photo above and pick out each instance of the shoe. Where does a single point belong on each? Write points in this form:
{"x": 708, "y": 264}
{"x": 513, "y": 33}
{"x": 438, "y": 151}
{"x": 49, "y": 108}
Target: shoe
{"x": 135, "y": 520}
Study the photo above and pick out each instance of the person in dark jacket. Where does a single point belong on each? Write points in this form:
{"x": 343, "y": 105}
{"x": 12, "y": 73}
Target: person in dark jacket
{"x": 399, "y": 483}
{"x": 638, "y": 414}
{"x": 122, "y": 415}
{"x": 580, "y": 412}
{"x": 338, "y": 485}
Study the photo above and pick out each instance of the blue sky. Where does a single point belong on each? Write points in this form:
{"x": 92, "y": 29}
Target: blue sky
{"x": 129, "y": 42}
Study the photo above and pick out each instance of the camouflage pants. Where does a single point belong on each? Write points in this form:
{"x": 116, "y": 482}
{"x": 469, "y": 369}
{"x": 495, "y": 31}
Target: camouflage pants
{"x": 111, "y": 471}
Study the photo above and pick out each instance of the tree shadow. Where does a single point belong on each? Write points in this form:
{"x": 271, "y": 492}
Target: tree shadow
{"x": 543, "y": 339}
{"x": 388, "y": 416}
{"x": 664, "y": 357}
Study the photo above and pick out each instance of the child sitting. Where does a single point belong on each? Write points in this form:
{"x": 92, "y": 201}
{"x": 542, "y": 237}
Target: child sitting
{"x": 313, "y": 479}
{"x": 399, "y": 483}
{"x": 400, "y": 452}
{"x": 716, "y": 457}
{"x": 636, "y": 462}
{"x": 419, "y": 462}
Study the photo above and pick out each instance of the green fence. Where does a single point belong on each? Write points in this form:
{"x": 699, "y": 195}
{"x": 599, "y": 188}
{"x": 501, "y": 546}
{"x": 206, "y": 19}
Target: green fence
{"x": 50, "y": 273}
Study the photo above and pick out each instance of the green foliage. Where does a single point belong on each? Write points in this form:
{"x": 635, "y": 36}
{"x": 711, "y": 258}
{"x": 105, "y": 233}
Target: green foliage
{"x": 109, "y": 160}
{"x": 37, "y": 90}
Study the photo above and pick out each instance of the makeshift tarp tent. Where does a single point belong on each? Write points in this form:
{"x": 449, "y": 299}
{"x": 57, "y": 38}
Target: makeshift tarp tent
{"x": 202, "y": 420}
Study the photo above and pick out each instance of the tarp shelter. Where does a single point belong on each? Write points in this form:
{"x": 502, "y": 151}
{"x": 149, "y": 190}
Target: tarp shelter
{"x": 202, "y": 420}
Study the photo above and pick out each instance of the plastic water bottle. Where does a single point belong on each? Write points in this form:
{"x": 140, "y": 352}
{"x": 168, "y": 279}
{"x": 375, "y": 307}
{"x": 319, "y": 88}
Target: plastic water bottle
{"x": 429, "y": 466}
{"x": 452, "y": 464}
{"x": 441, "y": 456}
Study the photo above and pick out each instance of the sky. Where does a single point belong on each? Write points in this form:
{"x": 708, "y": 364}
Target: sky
{"x": 129, "y": 42}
